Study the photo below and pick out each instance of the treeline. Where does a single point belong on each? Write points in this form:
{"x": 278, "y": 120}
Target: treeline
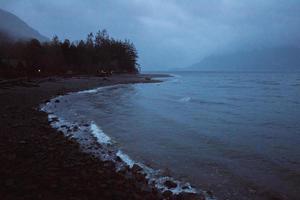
{"x": 99, "y": 54}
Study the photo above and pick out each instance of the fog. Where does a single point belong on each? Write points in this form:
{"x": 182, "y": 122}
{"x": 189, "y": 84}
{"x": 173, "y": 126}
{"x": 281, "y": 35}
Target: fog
{"x": 169, "y": 33}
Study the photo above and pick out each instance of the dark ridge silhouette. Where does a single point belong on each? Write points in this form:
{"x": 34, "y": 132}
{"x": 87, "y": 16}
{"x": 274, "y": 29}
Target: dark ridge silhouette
{"x": 284, "y": 58}
{"x": 17, "y": 29}
{"x": 99, "y": 55}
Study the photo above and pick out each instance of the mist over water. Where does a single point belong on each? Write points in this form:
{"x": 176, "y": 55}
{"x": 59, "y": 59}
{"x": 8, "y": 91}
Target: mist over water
{"x": 236, "y": 134}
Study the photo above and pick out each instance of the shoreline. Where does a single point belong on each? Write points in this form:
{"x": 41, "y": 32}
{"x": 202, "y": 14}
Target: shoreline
{"x": 90, "y": 135}
{"x": 40, "y": 162}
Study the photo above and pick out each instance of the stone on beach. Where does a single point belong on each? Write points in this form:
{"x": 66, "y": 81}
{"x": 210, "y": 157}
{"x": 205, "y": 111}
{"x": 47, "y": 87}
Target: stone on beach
{"x": 170, "y": 184}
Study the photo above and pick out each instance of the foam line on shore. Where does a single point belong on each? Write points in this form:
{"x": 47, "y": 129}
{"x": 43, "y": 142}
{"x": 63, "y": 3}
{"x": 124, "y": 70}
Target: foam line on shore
{"x": 95, "y": 90}
{"x": 89, "y": 91}
{"x": 125, "y": 158}
{"x": 102, "y": 138}
{"x": 153, "y": 176}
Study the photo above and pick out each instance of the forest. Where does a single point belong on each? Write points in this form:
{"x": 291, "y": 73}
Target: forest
{"x": 98, "y": 54}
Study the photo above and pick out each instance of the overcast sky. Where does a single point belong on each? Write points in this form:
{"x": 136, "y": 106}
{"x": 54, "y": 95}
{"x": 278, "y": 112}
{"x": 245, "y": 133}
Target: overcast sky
{"x": 168, "y": 33}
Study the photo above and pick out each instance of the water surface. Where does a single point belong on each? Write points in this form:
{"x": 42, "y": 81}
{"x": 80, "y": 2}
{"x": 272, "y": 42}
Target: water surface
{"x": 236, "y": 134}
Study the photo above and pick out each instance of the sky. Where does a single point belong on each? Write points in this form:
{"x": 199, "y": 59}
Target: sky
{"x": 168, "y": 33}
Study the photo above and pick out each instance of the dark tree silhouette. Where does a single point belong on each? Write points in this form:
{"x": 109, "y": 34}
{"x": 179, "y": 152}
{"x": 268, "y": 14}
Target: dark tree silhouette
{"x": 98, "y": 55}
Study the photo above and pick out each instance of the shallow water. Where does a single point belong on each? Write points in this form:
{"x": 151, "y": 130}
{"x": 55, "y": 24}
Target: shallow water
{"x": 235, "y": 134}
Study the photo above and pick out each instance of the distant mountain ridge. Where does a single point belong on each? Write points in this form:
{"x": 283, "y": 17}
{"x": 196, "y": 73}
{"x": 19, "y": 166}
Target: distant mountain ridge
{"x": 14, "y": 28}
{"x": 275, "y": 59}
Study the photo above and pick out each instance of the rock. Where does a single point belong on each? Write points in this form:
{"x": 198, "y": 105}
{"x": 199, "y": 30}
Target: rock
{"x": 141, "y": 177}
{"x": 60, "y": 132}
{"x": 54, "y": 119}
{"x": 146, "y": 188}
{"x": 136, "y": 168}
{"x": 118, "y": 159}
{"x": 170, "y": 184}
{"x": 75, "y": 128}
{"x": 190, "y": 196}
{"x": 185, "y": 187}
{"x": 167, "y": 194}
{"x": 210, "y": 193}
{"x": 251, "y": 190}
{"x": 109, "y": 164}
{"x": 125, "y": 170}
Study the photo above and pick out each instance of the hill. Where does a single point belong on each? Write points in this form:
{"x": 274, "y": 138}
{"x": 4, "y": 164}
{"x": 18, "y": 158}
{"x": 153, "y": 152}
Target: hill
{"x": 275, "y": 59}
{"x": 14, "y": 28}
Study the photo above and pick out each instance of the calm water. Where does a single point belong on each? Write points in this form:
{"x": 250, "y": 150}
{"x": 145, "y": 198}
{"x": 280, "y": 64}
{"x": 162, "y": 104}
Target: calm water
{"x": 235, "y": 134}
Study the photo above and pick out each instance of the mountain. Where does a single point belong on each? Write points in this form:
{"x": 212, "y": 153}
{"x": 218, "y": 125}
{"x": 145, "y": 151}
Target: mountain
{"x": 264, "y": 59}
{"x": 16, "y": 29}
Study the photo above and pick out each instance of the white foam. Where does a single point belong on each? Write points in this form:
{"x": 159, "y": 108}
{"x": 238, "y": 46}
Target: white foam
{"x": 51, "y": 117}
{"x": 99, "y": 134}
{"x": 159, "y": 183}
{"x": 185, "y": 99}
{"x": 89, "y": 91}
{"x": 60, "y": 123}
{"x": 125, "y": 158}
{"x": 154, "y": 176}
{"x": 175, "y": 75}
{"x": 175, "y": 80}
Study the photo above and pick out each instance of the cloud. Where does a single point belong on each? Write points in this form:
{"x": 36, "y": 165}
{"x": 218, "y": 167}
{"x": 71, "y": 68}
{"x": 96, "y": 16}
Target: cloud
{"x": 169, "y": 33}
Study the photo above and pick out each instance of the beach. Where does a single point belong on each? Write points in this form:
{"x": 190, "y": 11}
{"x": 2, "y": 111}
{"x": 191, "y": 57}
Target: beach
{"x": 220, "y": 133}
{"x": 39, "y": 162}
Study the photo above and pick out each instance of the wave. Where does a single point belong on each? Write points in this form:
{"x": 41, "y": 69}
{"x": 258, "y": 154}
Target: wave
{"x": 174, "y": 81}
{"x": 174, "y": 78}
{"x": 175, "y": 75}
{"x": 217, "y": 103}
{"x": 125, "y": 158}
{"x": 185, "y": 99}
{"x": 99, "y": 134}
{"x": 295, "y": 85}
{"x": 91, "y": 91}
{"x": 155, "y": 177}
{"x": 266, "y": 82}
